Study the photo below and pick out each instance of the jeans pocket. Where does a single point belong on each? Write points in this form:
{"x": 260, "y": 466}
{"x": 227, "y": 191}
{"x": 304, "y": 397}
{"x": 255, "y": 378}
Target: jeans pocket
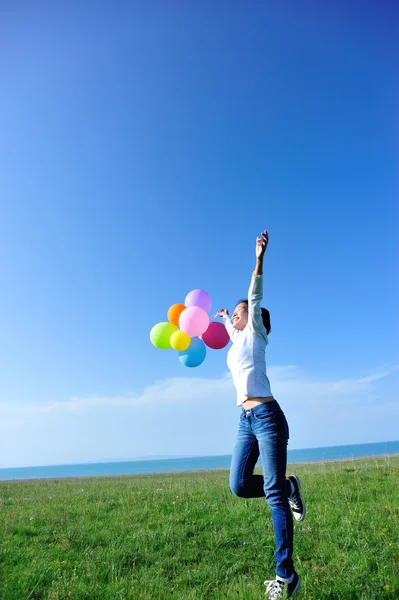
{"x": 265, "y": 422}
{"x": 264, "y": 416}
{"x": 264, "y": 412}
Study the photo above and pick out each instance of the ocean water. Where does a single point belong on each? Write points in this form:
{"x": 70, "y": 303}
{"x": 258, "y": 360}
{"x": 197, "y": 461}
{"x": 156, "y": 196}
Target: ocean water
{"x": 197, "y": 463}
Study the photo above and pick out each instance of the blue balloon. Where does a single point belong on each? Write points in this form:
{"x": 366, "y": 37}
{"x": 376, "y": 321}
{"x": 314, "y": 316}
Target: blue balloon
{"x": 195, "y": 353}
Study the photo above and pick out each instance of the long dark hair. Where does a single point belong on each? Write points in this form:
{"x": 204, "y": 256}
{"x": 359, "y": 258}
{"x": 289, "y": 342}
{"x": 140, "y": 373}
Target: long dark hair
{"x": 265, "y": 316}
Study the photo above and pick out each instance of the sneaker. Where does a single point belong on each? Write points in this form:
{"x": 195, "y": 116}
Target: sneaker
{"x": 277, "y": 589}
{"x": 297, "y": 504}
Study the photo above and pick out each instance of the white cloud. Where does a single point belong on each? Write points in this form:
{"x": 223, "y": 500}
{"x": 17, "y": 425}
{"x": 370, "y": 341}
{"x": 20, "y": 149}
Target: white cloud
{"x": 194, "y": 415}
{"x": 290, "y": 380}
{"x": 169, "y": 391}
{"x": 287, "y": 380}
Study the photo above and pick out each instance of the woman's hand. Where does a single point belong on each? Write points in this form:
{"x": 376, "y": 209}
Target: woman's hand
{"x": 261, "y": 245}
{"x": 223, "y": 312}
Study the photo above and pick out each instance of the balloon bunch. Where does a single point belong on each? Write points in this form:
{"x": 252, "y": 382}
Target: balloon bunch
{"x": 189, "y": 330}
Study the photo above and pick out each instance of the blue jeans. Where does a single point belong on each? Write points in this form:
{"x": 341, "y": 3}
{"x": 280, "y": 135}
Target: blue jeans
{"x": 263, "y": 431}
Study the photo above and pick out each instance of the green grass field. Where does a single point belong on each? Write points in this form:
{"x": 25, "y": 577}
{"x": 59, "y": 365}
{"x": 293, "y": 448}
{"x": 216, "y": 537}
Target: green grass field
{"x": 186, "y": 536}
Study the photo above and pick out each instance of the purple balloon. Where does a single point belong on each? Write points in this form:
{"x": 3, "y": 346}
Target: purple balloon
{"x": 199, "y": 298}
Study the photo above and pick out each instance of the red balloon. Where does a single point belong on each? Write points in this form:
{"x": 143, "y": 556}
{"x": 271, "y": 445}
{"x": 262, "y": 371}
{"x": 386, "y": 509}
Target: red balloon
{"x": 216, "y": 336}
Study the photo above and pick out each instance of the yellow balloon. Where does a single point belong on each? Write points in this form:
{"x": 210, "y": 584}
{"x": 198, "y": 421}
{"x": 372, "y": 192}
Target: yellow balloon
{"x": 180, "y": 341}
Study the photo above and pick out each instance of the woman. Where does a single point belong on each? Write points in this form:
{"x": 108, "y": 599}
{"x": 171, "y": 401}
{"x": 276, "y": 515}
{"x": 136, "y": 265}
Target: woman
{"x": 263, "y": 429}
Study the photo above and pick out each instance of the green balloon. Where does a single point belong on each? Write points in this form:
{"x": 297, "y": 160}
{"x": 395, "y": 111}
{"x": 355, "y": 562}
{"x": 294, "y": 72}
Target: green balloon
{"x": 160, "y": 335}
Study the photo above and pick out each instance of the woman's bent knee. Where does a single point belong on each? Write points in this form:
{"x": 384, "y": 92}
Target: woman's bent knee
{"x": 238, "y": 489}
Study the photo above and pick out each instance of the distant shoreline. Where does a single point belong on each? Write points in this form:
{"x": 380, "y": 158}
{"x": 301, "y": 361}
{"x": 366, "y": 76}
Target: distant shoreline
{"x": 185, "y": 472}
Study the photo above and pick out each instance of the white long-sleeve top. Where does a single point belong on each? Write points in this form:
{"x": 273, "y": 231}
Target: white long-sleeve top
{"x": 246, "y": 358}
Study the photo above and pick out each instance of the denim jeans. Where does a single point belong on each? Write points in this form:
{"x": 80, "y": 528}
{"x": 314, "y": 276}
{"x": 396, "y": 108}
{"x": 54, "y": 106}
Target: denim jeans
{"x": 263, "y": 431}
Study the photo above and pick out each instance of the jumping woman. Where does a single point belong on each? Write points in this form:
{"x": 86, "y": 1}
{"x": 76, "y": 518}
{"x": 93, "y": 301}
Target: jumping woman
{"x": 263, "y": 429}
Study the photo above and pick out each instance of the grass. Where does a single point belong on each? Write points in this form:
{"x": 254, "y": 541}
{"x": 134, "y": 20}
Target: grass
{"x": 186, "y": 536}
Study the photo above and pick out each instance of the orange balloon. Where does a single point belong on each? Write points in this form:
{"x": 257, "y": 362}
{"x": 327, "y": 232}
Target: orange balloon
{"x": 174, "y": 313}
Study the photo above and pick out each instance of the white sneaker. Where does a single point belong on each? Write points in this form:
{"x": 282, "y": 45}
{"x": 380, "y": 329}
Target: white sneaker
{"x": 277, "y": 589}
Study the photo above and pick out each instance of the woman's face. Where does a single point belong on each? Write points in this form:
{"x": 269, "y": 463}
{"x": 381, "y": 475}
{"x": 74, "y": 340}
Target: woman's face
{"x": 240, "y": 316}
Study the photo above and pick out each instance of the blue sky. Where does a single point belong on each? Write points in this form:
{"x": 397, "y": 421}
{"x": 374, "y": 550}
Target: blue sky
{"x": 143, "y": 148}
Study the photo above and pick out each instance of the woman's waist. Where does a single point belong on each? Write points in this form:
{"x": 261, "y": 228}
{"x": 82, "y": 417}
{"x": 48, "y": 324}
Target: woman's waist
{"x": 253, "y": 401}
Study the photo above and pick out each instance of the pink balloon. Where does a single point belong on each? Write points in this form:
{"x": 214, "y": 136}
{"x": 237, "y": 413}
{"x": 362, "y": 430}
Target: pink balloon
{"x": 216, "y": 336}
{"x": 194, "y": 321}
{"x": 199, "y": 298}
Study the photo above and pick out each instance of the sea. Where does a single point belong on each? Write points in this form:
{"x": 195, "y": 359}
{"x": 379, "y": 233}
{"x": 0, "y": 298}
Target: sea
{"x": 195, "y": 463}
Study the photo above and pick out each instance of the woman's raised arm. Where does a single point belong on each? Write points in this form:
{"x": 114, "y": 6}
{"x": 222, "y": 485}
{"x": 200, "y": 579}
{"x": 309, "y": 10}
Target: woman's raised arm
{"x": 255, "y": 293}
